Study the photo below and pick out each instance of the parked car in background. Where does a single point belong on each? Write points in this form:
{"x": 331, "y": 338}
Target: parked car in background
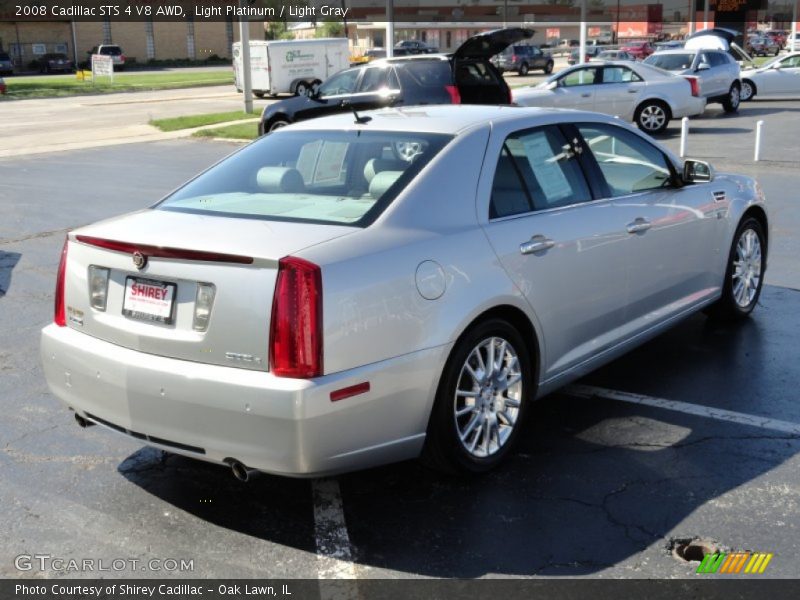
{"x": 6, "y": 64}
{"x": 793, "y": 44}
{"x": 415, "y": 47}
{"x": 591, "y": 52}
{"x": 465, "y": 77}
{"x": 762, "y": 46}
{"x": 638, "y": 49}
{"x": 523, "y": 58}
{"x": 716, "y": 70}
{"x": 55, "y": 63}
{"x": 668, "y": 45}
{"x": 613, "y": 55}
{"x": 112, "y": 50}
{"x": 778, "y": 36}
{"x": 310, "y": 306}
{"x": 630, "y": 90}
{"x": 778, "y": 77}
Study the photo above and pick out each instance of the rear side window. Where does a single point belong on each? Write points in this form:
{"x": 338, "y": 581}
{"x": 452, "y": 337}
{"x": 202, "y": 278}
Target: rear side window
{"x": 378, "y": 78}
{"x": 619, "y": 75}
{"x": 629, "y": 164}
{"x": 427, "y": 73}
{"x": 717, "y": 59}
{"x": 671, "y": 62}
{"x": 537, "y": 169}
{"x": 338, "y": 177}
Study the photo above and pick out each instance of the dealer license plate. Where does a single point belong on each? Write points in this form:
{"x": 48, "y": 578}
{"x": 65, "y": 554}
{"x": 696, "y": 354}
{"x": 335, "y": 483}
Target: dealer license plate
{"x": 149, "y": 300}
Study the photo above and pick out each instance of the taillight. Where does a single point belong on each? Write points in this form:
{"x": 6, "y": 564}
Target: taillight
{"x": 60, "y": 313}
{"x": 455, "y": 96}
{"x": 295, "y": 337}
{"x": 513, "y": 58}
{"x": 695, "y": 84}
{"x": 122, "y": 57}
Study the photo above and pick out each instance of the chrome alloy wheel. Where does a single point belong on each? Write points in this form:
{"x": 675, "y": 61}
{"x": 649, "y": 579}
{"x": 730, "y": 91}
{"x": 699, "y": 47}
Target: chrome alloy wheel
{"x": 653, "y": 117}
{"x": 488, "y": 396}
{"x": 746, "y": 268}
{"x": 735, "y": 97}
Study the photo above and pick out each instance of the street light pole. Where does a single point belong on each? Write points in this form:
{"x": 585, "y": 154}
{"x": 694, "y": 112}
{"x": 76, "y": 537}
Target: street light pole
{"x": 389, "y": 28}
{"x": 582, "y": 46}
{"x": 244, "y": 38}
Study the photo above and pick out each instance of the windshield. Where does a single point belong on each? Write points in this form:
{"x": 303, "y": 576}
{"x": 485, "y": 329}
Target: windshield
{"x": 337, "y": 177}
{"x": 671, "y": 62}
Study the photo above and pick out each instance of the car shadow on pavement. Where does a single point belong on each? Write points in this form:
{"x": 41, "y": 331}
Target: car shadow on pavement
{"x": 8, "y": 260}
{"x": 593, "y": 483}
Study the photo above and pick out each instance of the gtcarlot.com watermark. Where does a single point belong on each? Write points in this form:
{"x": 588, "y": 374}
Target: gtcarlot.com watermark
{"x": 50, "y": 563}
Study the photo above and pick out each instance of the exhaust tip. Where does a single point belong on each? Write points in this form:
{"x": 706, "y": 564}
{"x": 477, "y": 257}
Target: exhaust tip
{"x": 82, "y": 422}
{"x": 239, "y": 471}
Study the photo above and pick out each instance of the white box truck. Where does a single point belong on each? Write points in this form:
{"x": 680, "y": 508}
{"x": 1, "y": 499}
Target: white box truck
{"x": 290, "y": 66}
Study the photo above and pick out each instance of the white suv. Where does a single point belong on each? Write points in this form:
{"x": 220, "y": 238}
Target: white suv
{"x": 112, "y": 50}
{"x": 719, "y": 74}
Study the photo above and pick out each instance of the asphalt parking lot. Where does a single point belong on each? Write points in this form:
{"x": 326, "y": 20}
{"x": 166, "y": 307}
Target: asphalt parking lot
{"x": 696, "y": 434}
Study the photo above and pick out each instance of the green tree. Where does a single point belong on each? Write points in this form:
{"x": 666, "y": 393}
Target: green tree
{"x": 330, "y": 29}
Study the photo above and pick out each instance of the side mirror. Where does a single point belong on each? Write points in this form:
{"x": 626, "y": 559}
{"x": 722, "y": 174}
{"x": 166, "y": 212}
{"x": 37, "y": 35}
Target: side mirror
{"x": 703, "y": 67}
{"x": 551, "y": 85}
{"x": 697, "y": 171}
{"x": 777, "y": 66}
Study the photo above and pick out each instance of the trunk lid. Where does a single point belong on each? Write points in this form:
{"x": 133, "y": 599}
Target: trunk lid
{"x": 487, "y": 44}
{"x": 238, "y": 257}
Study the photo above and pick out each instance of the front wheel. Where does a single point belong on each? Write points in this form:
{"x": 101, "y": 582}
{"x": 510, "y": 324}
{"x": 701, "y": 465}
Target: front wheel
{"x": 523, "y": 69}
{"x": 652, "y": 117}
{"x": 548, "y": 68}
{"x": 748, "y": 91}
{"x": 731, "y": 102}
{"x": 481, "y": 402}
{"x": 301, "y": 89}
{"x": 744, "y": 275}
{"x": 277, "y": 124}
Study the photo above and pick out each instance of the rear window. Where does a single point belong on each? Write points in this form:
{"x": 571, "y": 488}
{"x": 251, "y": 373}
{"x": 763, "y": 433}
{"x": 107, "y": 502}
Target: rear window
{"x": 338, "y": 177}
{"x": 671, "y": 62}
{"x": 111, "y": 50}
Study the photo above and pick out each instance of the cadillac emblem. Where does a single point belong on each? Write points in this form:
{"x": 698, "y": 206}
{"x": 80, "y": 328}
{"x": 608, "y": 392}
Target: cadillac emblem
{"x": 139, "y": 260}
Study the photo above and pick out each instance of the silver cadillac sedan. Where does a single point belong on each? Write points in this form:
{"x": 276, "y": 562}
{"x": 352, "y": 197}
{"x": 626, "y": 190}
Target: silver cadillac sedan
{"x": 367, "y": 288}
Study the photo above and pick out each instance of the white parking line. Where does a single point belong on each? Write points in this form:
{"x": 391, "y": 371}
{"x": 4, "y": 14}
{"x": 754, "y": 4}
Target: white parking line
{"x": 334, "y": 554}
{"x": 720, "y": 414}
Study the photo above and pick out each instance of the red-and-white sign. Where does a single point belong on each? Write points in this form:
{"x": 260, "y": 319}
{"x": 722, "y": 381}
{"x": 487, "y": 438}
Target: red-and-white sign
{"x": 149, "y": 300}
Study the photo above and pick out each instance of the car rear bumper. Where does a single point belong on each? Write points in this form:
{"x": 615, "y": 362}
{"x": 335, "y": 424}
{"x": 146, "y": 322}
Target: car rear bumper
{"x": 216, "y": 413}
{"x": 692, "y": 107}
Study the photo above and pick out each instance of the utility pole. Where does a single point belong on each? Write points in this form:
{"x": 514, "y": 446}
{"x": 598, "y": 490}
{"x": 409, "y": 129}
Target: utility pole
{"x": 582, "y": 46}
{"x": 244, "y": 38}
{"x": 389, "y": 28}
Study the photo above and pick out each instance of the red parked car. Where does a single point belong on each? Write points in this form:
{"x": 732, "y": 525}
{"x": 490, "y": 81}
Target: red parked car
{"x": 2, "y": 86}
{"x": 639, "y": 49}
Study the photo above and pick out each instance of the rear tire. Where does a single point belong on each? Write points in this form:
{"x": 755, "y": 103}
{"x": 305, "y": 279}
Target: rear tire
{"x": 301, "y": 88}
{"x": 652, "y": 116}
{"x": 732, "y": 100}
{"x": 258, "y": 94}
{"x": 548, "y": 68}
{"x": 480, "y": 409}
{"x": 744, "y": 275}
{"x": 523, "y": 70}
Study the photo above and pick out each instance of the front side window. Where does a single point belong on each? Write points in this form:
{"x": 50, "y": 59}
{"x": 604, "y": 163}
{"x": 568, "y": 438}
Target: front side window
{"x": 339, "y": 177}
{"x": 578, "y": 77}
{"x": 341, "y": 83}
{"x": 375, "y": 79}
{"x": 536, "y": 170}
{"x": 629, "y": 163}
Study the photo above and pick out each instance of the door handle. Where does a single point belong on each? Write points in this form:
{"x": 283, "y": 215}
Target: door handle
{"x": 638, "y": 225}
{"x": 632, "y": 91}
{"x": 585, "y": 95}
{"x": 537, "y": 243}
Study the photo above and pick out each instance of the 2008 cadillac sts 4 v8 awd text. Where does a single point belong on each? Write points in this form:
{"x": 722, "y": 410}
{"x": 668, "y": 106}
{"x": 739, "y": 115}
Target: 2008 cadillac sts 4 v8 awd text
{"x": 344, "y": 293}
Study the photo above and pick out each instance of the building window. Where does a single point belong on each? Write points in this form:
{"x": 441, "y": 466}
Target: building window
{"x": 229, "y": 31}
{"x": 448, "y": 39}
{"x": 106, "y": 30}
{"x": 150, "y": 40}
{"x": 423, "y": 35}
{"x": 190, "y": 39}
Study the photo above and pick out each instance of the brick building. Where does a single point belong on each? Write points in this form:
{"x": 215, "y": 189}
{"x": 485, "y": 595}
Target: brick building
{"x": 142, "y": 40}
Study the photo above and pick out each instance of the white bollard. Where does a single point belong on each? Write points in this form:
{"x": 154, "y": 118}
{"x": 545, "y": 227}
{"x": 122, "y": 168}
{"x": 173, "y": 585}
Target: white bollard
{"x": 684, "y": 134}
{"x": 757, "y": 155}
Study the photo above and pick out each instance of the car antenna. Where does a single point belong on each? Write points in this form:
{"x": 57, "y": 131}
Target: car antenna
{"x": 360, "y": 120}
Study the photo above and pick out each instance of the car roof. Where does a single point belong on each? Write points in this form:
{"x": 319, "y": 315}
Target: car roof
{"x": 446, "y": 118}
{"x": 411, "y": 58}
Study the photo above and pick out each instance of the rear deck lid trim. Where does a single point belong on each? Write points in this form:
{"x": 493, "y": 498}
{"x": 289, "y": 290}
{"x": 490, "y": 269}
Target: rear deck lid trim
{"x": 150, "y": 251}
